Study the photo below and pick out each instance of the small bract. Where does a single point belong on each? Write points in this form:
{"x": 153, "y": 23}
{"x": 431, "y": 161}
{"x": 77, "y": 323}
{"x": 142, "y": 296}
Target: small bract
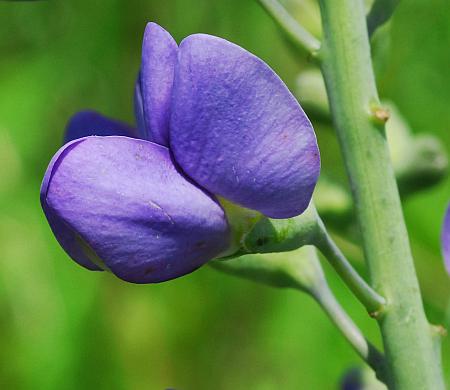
{"x": 213, "y": 121}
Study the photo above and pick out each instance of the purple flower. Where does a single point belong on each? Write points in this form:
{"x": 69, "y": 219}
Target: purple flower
{"x": 213, "y": 120}
{"x": 445, "y": 239}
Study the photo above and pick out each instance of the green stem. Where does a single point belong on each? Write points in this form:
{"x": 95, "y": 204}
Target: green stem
{"x": 373, "y": 302}
{"x": 298, "y": 35}
{"x": 349, "y": 330}
{"x": 347, "y": 69}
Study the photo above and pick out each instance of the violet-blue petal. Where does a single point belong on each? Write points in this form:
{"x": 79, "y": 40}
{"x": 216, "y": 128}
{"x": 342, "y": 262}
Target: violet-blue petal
{"x": 445, "y": 239}
{"x": 159, "y": 57}
{"x": 85, "y": 123}
{"x": 139, "y": 109}
{"x": 237, "y": 130}
{"x": 127, "y": 202}
{"x": 66, "y": 236}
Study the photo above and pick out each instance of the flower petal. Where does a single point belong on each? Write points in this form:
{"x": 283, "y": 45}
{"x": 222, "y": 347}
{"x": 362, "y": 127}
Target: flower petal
{"x": 238, "y": 131}
{"x": 85, "y": 123}
{"x": 132, "y": 208}
{"x": 68, "y": 239}
{"x": 139, "y": 109}
{"x": 159, "y": 56}
{"x": 445, "y": 239}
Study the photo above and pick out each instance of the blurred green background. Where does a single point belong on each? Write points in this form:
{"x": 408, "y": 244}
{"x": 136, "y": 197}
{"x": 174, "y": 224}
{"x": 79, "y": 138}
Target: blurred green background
{"x": 62, "y": 327}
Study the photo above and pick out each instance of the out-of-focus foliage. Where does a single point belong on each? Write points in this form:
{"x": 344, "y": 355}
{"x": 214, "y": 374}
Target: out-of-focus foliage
{"x": 62, "y": 327}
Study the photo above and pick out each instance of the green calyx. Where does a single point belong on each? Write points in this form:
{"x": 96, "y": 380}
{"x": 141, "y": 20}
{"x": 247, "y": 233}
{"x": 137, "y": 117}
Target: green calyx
{"x": 282, "y": 235}
{"x": 252, "y": 233}
{"x": 241, "y": 220}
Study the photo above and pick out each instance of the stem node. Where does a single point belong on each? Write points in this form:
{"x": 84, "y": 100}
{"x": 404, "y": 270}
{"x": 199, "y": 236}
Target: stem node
{"x": 380, "y": 114}
{"x": 438, "y": 331}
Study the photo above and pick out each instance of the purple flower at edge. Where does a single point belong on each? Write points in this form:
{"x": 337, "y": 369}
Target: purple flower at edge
{"x": 445, "y": 239}
{"x": 213, "y": 120}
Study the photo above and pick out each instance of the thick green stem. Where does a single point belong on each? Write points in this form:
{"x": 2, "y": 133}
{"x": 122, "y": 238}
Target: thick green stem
{"x": 346, "y": 65}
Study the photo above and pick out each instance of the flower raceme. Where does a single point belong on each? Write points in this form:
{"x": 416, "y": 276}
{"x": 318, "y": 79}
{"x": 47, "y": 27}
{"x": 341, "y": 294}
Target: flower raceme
{"x": 213, "y": 122}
